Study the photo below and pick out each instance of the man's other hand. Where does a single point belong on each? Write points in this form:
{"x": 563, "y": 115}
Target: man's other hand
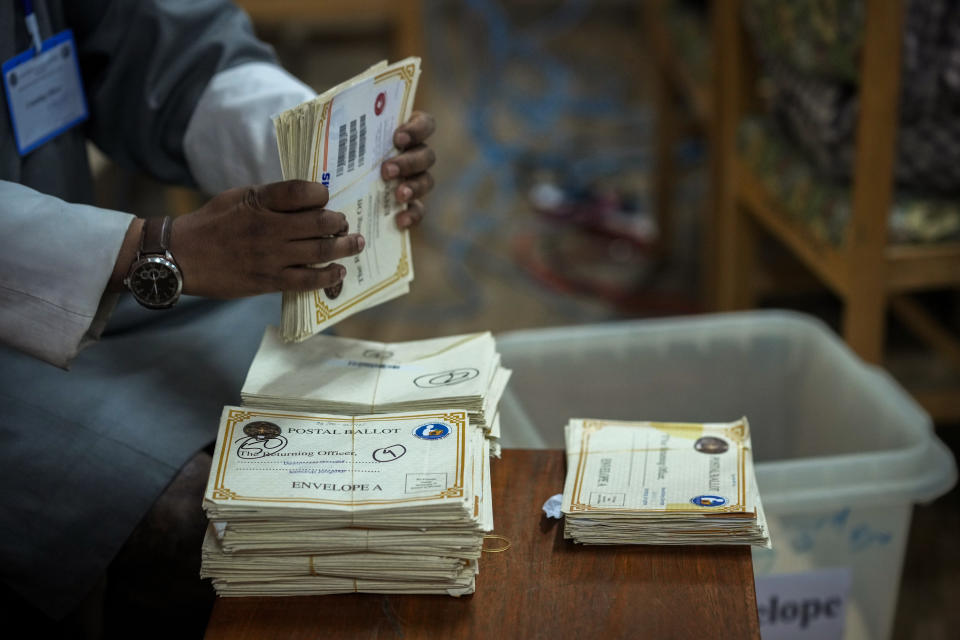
{"x": 411, "y": 166}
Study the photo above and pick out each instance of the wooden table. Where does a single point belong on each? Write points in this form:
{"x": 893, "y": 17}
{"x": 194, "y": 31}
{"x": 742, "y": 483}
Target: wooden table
{"x": 542, "y": 587}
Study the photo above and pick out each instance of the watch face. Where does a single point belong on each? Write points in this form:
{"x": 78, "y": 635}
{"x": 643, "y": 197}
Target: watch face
{"x": 155, "y": 282}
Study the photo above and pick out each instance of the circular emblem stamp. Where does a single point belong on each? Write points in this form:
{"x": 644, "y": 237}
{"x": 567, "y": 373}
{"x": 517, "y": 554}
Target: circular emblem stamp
{"x": 709, "y": 501}
{"x": 262, "y": 430}
{"x": 380, "y": 103}
{"x": 432, "y": 431}
{"x": 260, "y": 439}
{"x": 711, "y": 444}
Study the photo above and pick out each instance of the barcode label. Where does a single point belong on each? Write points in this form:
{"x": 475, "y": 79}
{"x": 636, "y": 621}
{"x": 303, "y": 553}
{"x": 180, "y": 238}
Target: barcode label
{"x": 363, "y": 139}
{"x": 341, "y": 149}
{"x": 352, "y": 157}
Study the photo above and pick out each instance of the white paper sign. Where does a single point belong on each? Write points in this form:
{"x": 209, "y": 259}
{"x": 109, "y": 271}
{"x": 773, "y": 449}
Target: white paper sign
{"x": 804, "y": 605}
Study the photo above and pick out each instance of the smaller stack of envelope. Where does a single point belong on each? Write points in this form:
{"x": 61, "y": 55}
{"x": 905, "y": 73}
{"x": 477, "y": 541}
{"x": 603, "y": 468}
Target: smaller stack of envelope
{"x": 328, "y": 374}
{"x": 661, "y": 483}
{"x": 341, "y": 138}
{"x": 312, "y": 504}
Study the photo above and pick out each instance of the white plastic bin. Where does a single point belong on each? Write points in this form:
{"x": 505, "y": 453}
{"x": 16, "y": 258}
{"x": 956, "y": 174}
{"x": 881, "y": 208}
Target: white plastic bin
{"x": 842, "y": 451}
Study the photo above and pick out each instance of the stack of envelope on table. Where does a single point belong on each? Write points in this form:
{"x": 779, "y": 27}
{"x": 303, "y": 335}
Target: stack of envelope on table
{"x": 661, "y": 483}
{"x": 341, "y": 139}
{"x": 328, "y": 374}
{"x": 310, "y": 504}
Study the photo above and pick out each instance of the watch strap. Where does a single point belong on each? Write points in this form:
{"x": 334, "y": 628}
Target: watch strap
{"x": 156, "y": 235}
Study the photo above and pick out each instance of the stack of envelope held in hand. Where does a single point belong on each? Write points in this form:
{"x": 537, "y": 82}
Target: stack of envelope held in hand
{"x": 311, "y": 504}
{"x": 341, "y": 139}
{"x": 327, "y": 374}
{"x": 661, "y": 483}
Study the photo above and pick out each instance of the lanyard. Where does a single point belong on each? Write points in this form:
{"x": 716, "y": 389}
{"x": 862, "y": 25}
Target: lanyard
{"x": 33, "y": 28}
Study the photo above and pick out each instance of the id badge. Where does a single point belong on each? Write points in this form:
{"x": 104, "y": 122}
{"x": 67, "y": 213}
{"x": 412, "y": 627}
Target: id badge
{"x": 44, "y": 92}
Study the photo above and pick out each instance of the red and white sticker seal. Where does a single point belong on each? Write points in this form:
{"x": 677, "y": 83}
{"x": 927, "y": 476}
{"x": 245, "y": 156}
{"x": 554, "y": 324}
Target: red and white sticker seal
{"x": 380, "y": 103}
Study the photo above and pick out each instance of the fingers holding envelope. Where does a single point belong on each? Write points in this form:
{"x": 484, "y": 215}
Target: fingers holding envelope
{"x": 411, "y": 167}
{"x": 260, "y": 239}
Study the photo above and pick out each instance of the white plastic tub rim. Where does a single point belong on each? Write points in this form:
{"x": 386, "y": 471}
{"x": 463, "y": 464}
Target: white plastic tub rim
{"x": 918, "y": 468}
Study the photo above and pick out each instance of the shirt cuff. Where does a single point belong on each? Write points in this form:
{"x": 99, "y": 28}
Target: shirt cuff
{"x": 54, "y": 272}
{"x": 230, "y": 141}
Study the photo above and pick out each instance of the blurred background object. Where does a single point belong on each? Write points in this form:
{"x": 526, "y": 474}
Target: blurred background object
{"x": 848, "y": 168}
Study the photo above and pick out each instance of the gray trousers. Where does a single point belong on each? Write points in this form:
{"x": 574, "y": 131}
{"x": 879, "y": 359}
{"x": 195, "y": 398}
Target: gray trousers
{"x": 86, "y": 452}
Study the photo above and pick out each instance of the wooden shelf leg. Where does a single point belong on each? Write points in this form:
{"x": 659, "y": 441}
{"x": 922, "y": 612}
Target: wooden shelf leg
{"x": 864, "y": 321}
{"x": 866, "y": 234}
{"x": 732, "y": 232}
{"x": 737, "y": 263}
{"x": 407, "y": 39}
{"x": 408, "y": 30}
{"x": 666, "y": 132}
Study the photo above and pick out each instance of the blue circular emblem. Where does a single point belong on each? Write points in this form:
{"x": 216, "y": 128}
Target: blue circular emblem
{"x": 432, "y": 431}
{"x": 709, "y": 501}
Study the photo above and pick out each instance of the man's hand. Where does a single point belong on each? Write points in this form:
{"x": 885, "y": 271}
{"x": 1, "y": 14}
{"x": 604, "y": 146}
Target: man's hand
{"x": 411, "y": 166}
{"x": 256, "y": 240}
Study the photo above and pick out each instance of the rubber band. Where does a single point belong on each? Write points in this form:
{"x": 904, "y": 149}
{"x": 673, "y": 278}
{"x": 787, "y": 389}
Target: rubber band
{"x": 498, "y": 550}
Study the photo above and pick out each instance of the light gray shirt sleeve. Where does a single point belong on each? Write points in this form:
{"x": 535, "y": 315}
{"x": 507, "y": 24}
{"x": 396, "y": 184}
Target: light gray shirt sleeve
{"x": 230, "y": 141}
{"x": 56, "y": 259}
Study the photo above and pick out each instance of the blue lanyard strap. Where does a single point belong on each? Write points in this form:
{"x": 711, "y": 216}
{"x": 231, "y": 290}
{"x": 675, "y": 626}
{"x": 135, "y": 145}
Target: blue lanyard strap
{"x": 33, "y": 28}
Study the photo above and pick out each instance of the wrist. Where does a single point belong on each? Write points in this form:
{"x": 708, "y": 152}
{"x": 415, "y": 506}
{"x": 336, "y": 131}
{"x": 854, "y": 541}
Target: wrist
{"x": 181, "y": 246}
{"x": 126, "y": 255}
{"x": 154, "y": 278}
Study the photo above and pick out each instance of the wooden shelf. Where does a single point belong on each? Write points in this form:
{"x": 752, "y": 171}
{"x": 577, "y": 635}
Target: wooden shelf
{"x": 942, "y": 404}
{"x": 310, "y": 11}
{"x": 908, "y": 267}
{"x": 822, "y": 259}
{"x": 672, "y": 66}
{"x": 868, "y": 274}
{"x": 919, "y": 267}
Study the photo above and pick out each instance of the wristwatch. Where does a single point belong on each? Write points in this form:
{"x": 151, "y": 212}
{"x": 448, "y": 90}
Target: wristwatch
{"x": 154, "y": 278}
